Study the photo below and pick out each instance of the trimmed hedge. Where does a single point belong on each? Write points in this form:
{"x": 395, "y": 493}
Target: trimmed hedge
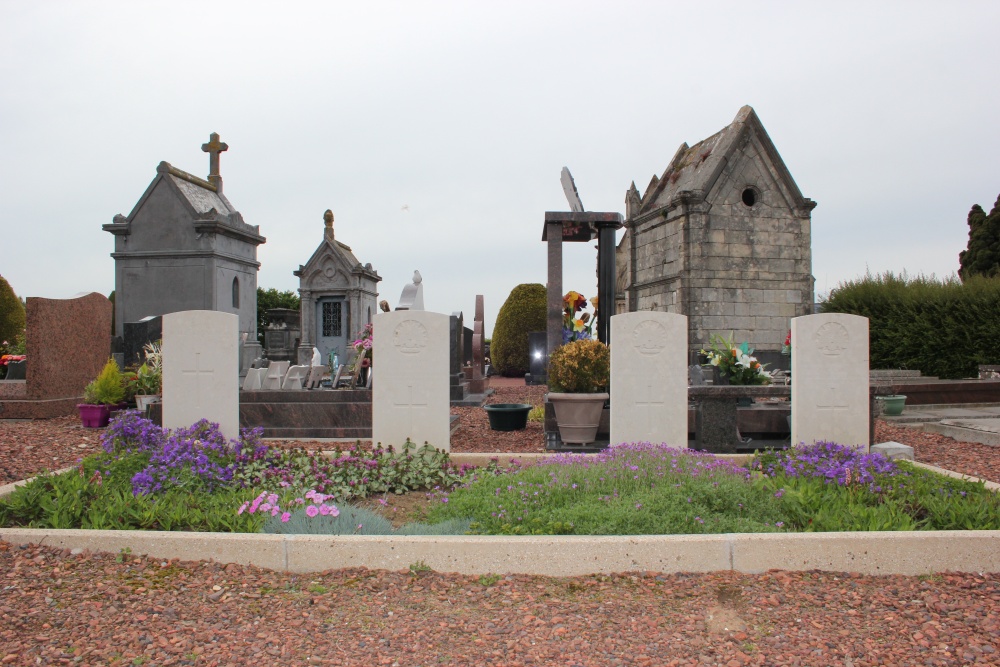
{"x": 522, "y": 312}
{"x": 943, "y": 328}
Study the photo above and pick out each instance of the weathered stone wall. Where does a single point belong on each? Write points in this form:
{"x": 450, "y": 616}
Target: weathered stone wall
{"x": 727, "y": 265}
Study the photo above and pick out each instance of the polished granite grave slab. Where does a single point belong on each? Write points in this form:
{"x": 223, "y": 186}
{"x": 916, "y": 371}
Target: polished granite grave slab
{"x": 341, "y": 413}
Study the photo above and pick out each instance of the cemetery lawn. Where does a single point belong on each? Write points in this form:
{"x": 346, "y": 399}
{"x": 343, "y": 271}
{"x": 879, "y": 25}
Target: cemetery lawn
{"x": 193, "y": 479}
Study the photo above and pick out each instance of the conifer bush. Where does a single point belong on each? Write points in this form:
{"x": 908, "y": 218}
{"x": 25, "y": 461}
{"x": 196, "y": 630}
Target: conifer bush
{"x": 944, "y": 328}
{"x": 522, "y": 313}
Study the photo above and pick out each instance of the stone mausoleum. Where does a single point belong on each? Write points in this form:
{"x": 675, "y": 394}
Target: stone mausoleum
{"x": 184, "y": 246}
{"x": 338, "y": 297}
{"x": 723, "y": 236}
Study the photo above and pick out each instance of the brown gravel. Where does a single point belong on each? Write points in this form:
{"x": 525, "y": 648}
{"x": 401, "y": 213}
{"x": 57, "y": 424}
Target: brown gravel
{"x": 59, "y": 608}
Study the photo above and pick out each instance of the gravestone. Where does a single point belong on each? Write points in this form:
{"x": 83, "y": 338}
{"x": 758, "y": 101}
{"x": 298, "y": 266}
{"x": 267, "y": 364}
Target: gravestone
{"x": 282, "y": 334}
{"x": 649, "y": 374}
{"x": 457, "y": 386}
{"x": 830, "y": 381}
{"x": 478, "y": 383}
{"x": 138, "y": 334}
{"x": 67, "y": 345}
{"x": 412, "y": 297}
{"x": 201, "y": 369}
{"x": 16, "y": 370}
{"x": 411, "y": 397}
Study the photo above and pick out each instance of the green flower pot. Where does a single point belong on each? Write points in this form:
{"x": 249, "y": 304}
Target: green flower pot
{"x": 892, "y": 405}
{"x": 508, "y": 416}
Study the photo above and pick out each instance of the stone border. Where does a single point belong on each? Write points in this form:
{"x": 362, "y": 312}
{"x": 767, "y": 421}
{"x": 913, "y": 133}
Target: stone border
{"x": 874, "y": 553}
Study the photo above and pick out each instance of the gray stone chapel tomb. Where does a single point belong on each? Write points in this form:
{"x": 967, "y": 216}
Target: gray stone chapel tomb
{"x": 338, "y": 298}
{"x": 185, "y": 247}
{"x": 723, "y": 237}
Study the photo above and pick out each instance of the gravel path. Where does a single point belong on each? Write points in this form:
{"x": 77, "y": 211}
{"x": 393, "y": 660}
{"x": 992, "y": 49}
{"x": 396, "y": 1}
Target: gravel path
{"x": 59, "y": 608}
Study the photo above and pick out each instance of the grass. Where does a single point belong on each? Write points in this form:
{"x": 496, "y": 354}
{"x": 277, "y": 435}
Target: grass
{"x": 192, "y": 480}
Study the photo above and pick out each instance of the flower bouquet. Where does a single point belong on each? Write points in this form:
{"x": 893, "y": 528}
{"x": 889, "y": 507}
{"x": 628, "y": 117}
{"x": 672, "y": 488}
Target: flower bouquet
{"x": 735, "y": 362}
{"x": 578, "y": 324}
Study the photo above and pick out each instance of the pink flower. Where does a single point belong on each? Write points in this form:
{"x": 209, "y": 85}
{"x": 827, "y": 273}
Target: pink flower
{"x": 334, "y": 511}
{"x": 274, "y": 512}
{"x": 324, "y": 510}
{"x": 243, "y": 508}
{"x": 265, "y": 507}
{"x": 312, "y": 511}
{"x": 285, "y": 517}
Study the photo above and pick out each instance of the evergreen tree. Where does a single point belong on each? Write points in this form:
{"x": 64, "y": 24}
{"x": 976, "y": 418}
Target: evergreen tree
{"x": 982, "y": 256}
{"x": 12, "y": 316}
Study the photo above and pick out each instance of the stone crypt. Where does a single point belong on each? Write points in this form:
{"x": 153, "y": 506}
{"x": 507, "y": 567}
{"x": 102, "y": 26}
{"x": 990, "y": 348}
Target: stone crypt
{"x": 183, "y": 247}
{"x": 338, "y": 298}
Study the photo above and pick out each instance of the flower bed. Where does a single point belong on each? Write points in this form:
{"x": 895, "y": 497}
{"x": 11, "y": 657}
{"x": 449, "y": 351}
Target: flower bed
{"x": 194, "y": 479}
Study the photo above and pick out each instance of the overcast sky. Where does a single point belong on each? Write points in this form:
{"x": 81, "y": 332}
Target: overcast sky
{"x": 436, "y": 131}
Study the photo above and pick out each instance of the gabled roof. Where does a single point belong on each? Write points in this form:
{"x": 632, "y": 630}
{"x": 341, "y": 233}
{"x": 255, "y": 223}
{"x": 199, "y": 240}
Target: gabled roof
{"x": 207, "y": 207}
{"x": 332, "y": 252}
{"x": 696, "y": 169}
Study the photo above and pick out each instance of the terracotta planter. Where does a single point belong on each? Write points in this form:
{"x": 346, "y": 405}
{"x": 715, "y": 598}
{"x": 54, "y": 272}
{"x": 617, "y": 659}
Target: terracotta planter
{"x": 578, "y": 416}
{"x": 94, "y": 416}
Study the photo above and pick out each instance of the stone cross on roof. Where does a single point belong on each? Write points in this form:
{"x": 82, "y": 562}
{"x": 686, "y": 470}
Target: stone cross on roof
{"x": 214, "y": 147}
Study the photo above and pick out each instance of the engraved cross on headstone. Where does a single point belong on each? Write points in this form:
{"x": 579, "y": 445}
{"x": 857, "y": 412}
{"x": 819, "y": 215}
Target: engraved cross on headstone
{"x": 832, "y": 399}
{"x": 197, "y": 373}
{"x": 409, "y": 406}
{"x": 649, "y": 404}
{"x": 214, "y": 147}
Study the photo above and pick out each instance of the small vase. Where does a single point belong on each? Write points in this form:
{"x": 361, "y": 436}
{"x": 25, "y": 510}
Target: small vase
{"x": 578, "y": 416}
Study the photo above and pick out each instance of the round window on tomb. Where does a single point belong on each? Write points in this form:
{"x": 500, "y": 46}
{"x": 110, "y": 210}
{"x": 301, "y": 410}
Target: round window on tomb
{"x": 749, "y": 196}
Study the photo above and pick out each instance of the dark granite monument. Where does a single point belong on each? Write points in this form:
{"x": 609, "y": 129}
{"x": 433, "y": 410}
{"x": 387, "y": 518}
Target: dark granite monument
{"x": 282, "y": 334}
{"x": 184, "y": 246}
{"x": 138, "y": 335}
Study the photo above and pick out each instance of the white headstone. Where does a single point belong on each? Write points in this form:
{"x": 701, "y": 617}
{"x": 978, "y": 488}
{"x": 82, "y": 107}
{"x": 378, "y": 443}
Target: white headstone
{"x": 201, "y": 369}
{"x": 830, "y": 379}
{"x": 412, "y": 297}
{"x": 411, "y": 397}
{"x": 649, "y": 378}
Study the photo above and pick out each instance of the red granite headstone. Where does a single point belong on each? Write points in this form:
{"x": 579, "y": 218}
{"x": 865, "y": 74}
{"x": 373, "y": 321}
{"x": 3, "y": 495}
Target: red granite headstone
{"x": 68, "y": 342}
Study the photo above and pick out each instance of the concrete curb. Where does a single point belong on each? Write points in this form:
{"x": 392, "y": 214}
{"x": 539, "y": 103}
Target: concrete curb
{"x": 908, "y": 553}
{"x": 963, "y": 434}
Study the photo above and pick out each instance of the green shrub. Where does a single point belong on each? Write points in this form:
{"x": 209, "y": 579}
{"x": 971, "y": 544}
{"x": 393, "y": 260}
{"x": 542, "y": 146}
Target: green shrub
{"x": 580, "y": 367}
{"x": 12, "y": 316}
{"x": 943, "y": 328}
{"x": 522, "y": 312}
{"x": 108, "y": 388}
